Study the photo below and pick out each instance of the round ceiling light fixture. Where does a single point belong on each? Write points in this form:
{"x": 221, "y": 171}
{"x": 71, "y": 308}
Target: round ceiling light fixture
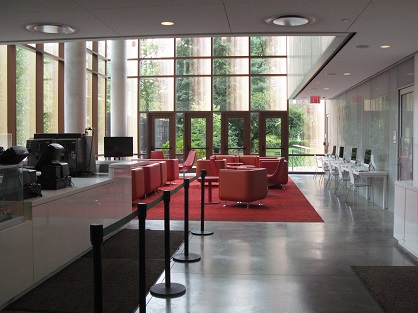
{"x": 51, "y": 28}
{"x": 290, "y": 20}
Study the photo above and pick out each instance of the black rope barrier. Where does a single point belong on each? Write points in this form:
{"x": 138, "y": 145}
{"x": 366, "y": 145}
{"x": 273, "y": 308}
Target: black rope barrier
{"x": 167, "y": 289}
{"x": 186, "y": 257}
{"x": 96, "y": 239}
{"x": 202, "y": 231}
{"x": 142, "y": 215}
{"x": 98, "y": 233}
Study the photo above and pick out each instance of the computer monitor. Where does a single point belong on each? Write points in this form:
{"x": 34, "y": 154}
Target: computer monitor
{"x": 117, "y": 147}
{"x": 341, "y": 153}
{"x": 354, "y": 154}
{"x": 367, "y": 156}
{"x": 334, "y": 150}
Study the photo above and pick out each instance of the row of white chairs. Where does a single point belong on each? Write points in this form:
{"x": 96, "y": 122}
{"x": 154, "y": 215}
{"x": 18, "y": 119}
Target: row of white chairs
{"x": 332, "y": 169}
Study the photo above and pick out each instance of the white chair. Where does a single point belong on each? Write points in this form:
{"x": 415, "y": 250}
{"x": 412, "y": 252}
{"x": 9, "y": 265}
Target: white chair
{"x": 332, "y": 173}
{"x": 343, "y": 177}
{"x": 319, "y": 169}
{"x": 355, "y": 184}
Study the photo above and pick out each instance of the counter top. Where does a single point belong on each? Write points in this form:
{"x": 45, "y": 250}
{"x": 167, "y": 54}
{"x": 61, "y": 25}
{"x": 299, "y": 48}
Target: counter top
{"x": 79, "y": 184}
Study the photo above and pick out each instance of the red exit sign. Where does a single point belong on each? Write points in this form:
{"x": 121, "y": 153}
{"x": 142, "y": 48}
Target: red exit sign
{"x": 315, "y": 99}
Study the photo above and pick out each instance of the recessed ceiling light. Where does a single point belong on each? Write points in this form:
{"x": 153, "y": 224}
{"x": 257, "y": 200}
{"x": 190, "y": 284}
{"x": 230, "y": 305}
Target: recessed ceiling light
{"x": 330, "y": 74}
{"x": 326, "y": 88}
{"x": 167, "y": 23}
{"x": 290, "y": 20}
{"x": 50, "y": 28}
{"x": 347, "y": 74}
{"x": 362, "y": 46}
{"x": 385, "y": 46}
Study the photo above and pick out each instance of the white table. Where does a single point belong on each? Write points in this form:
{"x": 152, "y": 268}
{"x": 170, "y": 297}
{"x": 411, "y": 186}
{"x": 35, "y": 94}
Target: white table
{"x": 361, "y": 172}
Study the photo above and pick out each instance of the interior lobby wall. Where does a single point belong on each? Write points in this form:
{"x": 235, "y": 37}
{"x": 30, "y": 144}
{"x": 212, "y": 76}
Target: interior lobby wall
{"x": 366, "y": 117}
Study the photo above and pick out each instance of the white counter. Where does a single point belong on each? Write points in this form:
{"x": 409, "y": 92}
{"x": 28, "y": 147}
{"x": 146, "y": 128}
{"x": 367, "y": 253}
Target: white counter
{"x": 56, "y": 229}
{"x": 405, "y": 228}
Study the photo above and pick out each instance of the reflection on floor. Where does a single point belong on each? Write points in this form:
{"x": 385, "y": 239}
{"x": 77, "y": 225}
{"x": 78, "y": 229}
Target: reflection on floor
{"x": 286, "y": 267}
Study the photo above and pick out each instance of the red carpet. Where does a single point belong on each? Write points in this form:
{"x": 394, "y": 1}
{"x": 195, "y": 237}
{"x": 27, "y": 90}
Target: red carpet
{"x": 281, "y": 205}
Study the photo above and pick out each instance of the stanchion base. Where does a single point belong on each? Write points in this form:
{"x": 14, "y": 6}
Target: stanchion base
{"x": 202, "y": 232}
{"x": 181, "y": 257}
{"x": 160, "y": 290}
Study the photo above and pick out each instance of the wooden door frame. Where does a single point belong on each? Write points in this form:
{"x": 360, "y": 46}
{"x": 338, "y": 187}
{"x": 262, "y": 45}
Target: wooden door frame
{"x": 151, "y": 116}
{"x": 209, "y": 131}
{"x": 246, "y": 115}
{"x": 284, "y": 116}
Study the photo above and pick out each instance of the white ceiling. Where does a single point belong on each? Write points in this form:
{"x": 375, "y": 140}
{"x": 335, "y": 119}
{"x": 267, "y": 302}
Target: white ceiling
{"x": 374, "y": 23}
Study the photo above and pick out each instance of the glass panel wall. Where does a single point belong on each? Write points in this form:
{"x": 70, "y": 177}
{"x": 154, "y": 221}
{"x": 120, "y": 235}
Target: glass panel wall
{"x": 51, "y": 91}
{"x": 3, "y": 94}
{"x": 366, "y": 118}
{"x": 25, "y": 94}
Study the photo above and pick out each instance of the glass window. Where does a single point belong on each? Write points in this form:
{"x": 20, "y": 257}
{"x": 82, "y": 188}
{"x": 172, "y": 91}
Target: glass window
{"x": 193, "y": 94}
{"x": 231, "y": 93}
{"x": 25, "y": 95}
{"x": 231, "y": 66}
{"x": 52, "y": 48}
{"x": 132, "y": 68}
{"x": 101, "y": 47}
{"x": 132, "y": 49}
{"x": 193, "y": 47}
{"x": 156, "y": 67}
{"x": 3, "y": 94}
{"x": 89, "y": 102}
{"x": 268, "y": 93}
{"x": 101, "y": 114}
{"x": 157, "y": 48}
{"x": 193, "y": 67}
{"x": 132, "y": 110}
{"x": 102, "y": 66}
{"x": 230, "y": 46}
{"x": 50, "y": 95}
{"x": 268, "y": 46}
{"x": 268, "y": 66}
{"x": 156, "y": 94}
{"x": 306, "y": 125}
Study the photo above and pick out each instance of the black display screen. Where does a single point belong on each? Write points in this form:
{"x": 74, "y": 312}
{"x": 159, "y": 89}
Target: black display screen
{"x": 117, "y": 147}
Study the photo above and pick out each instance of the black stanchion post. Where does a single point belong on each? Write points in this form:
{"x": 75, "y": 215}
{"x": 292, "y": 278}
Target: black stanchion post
{"x": 186, "y": 257}
{"x": 142, "y": 215}
{"x": 96, "y": 239}
{"x": 167, "y": 289}
{"x": 202, "y": 231}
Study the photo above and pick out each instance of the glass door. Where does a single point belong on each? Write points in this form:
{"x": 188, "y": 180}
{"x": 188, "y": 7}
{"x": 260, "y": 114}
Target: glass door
{"x": 235, "y": 134}
{"x": 406, "y": 129}
{"x": 161, "y": 132}
{"x": 197, "y": 127}
{"x": 273, "y": 135}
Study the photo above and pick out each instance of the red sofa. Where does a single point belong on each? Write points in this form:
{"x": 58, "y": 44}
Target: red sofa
{"x": 172, "y": 168}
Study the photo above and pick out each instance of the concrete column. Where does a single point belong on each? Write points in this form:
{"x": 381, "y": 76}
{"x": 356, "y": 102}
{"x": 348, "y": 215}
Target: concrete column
{"x": 118, "y": 98}
{"x": 75, "y": 102}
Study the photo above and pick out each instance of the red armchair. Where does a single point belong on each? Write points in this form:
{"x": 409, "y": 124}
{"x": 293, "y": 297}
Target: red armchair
{"x": 277, "y": 173}
{"x": 188, "y": 164}
{"x": 244, "y": 185}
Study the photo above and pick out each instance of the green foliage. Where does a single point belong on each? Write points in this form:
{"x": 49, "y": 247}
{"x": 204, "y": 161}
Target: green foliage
{"x": 297, "y": 121}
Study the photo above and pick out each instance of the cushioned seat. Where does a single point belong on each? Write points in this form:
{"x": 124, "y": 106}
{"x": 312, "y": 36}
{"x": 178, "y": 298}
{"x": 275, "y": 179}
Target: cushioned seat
{"x": 152, "y": 177}
{"x": 275, "y": 169}
{"x": 245, "y": 185}
{"x": 138, "y": 183}
{"x": 172, "y": 168}
{"x": 206, "y": 165}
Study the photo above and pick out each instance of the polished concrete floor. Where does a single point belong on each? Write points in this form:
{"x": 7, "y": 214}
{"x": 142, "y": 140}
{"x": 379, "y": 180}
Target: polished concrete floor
{"x": 286, "y": 267}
